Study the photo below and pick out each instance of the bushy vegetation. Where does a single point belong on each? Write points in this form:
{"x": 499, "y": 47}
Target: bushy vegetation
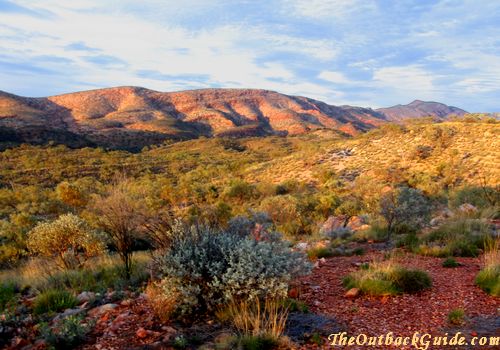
{"x": 68, "y": 240}
{"x": 7, "y": 294}
{"x": 488, "y": 278}
{"x": 450, "y": 263}
{"x": 66, "y": 333}
{"x": 74, "y": 220}
{"x": 204, "y": 269}
{"x": 53, "y": 300}
{"x": 387, "y": 278}
{"x": 458, "y": 237}
{"x": 456, "y": 317}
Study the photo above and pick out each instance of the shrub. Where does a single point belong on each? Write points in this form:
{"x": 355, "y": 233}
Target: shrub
{"x": 257, "y": 343}
{"x": 488, "y": 278}
{"x": 104, "y": 273}
{"x": 163, "y": 304}
{"x": 256, "y": 318}
{"x": 456, "y": 317}
{"x": 409, "y": 241}
{"x": 242, "y": 191}
{"x": 68, "y": 239}
{"x": 206, "y": 268}
{"x": 460, "y": 237}
{"x": 53, "y": 301}
{"x": 7, "y": 294}
{"x": 450, "y": 262}
{"x": 65, "y": 334}
{"x": 411, "y": 281}
{"x": 480, "y": 197}
{"x": 387, "y": 278}
{"x": 404, "y": 206}
{"x": 319, "y": 252}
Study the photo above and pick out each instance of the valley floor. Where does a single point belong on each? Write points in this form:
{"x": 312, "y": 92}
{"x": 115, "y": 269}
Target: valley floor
{"x": 131, "y": 324}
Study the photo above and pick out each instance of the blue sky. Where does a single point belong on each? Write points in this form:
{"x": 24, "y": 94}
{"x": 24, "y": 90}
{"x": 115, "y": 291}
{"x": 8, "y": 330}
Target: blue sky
{"x": 358, "y": 52}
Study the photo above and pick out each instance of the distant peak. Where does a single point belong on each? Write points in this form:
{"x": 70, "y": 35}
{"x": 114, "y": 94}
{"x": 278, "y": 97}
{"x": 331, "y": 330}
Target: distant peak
{"x": 416, "y": 102}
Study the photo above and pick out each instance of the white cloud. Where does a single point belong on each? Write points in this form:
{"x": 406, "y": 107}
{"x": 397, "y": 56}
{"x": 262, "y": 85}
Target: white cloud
{"x": 334, "y": 77}
{"x": 408, "y": 78}
{"x": 324, "y": 9}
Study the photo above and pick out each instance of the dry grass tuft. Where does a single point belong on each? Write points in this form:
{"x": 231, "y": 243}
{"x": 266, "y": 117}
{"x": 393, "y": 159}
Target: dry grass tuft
{"x": 257, "y": 318}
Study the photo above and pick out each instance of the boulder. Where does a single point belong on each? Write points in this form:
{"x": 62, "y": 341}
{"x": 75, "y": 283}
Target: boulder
{"x": 97, "y": 311}
{"x": 141, "y": 333}
{"x": 352, "y": 293}
{"x": 68, "y": 312}
{"x": 84, "y": 297}
{"x": 467, "y": 208}
{"x": 302, "y": 246}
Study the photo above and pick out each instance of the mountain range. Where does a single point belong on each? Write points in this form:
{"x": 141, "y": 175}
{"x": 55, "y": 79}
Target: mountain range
{"x": 134, "y": 117}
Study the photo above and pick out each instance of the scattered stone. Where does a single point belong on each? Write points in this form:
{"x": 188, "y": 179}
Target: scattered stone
{"x": 19, "y": 342}
{"x": 467, "y": 208}
{"x": 352, "y": 293}
{"x": 102, "y": 309}
{"x": 126, "y": 302}
{"x": 141, "y": 333}
{"x": 293, "y": 293}
{"x": 84, "y": 297}
{"x": 68, "y": 312}
{"x": 302, "y": 246}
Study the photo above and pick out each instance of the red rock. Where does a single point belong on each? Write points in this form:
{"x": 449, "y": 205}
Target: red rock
{"x": 352, "y": 293}
{"x": 141, "y": 333}
{"x": 293, "y": 293}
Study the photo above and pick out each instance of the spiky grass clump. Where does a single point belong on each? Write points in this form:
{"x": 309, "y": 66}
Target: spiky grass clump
{"x": 53, "y": 301}
{"x": 256, "y": 321}
{"x": 488, "y": 279}
{"x": 387, "y": 278}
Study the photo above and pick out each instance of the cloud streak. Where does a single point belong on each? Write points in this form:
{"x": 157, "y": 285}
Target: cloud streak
{"x": 369, "y": 53}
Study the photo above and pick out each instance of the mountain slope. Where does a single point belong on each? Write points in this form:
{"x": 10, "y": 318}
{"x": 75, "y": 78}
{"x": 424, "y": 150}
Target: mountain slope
{"x": 131, "y": 117}
{"x": 418, "y": 109}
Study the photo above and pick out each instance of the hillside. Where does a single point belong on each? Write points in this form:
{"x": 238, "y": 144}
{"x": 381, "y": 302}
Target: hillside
{"x": 418, "y": 109}
{"x": 132, "y": 117}
{"x": 428, "y": 153}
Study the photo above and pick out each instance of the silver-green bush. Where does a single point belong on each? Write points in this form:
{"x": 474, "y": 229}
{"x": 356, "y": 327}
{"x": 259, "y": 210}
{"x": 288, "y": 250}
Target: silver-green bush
{"x": 205, "y": 268}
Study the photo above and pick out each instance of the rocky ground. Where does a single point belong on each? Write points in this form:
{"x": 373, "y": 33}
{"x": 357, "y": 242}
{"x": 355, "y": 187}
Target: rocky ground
{"x": 426, "y": 312}
{"x": 130, "y": 323}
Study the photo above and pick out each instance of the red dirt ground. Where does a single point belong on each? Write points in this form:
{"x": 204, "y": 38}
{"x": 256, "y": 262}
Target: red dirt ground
{"x": 403, "y": 315}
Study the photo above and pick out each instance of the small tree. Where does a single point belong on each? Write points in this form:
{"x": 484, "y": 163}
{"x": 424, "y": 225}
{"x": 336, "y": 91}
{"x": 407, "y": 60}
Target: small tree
{"x": 69, "y": 239}
{"x": 404, "y": 205}
{"x": 120, "y": 215}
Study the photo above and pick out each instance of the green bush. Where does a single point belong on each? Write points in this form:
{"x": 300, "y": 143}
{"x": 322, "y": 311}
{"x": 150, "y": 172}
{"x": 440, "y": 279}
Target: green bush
{"x": 410, "y": 241}
{"x": 488, "y": 280}
{"x": 319, "y": 252}
{"x": 7, "y": 294}
{"x": 257, "y": 342}
{"x": 480, "y": 197}
{"x": 65, "y": 334}
{"x": 54, "y": 301}
{"x": 205, "y": 268}
{"x": 456, "y": 317}
{"x": 68, "y": 240}
{"x": 450, "y": 262}
{"x": 387, "y": 278}
{"x": 460, "y": 237}
{"x": 98, "y": 279}
{"x": 411, "y": 281}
